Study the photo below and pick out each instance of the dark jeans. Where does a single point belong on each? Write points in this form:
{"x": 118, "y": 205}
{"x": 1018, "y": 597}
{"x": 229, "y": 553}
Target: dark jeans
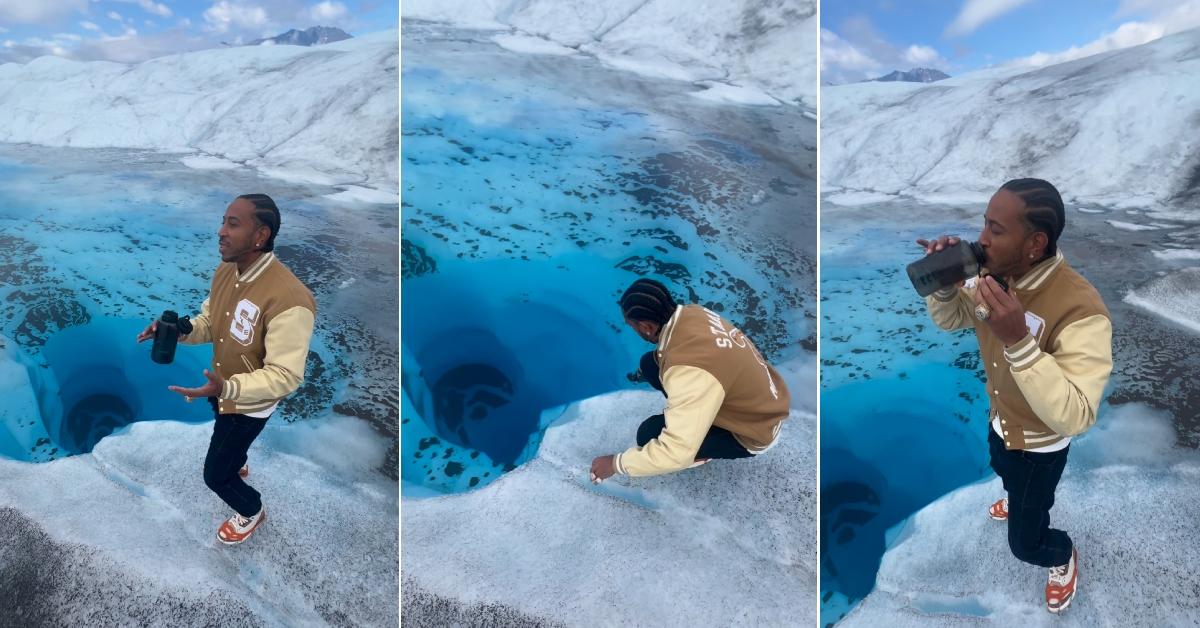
{"x": 231, "y": 439}
{"x": 718, "y": 443}
{"x": 1030, "y": 479}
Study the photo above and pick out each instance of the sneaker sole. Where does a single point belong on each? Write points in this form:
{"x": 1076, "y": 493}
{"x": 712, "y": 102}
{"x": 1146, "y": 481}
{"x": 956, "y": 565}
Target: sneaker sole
{"x": 245, "y": 538}
{"x": 1061, "y": 607}
{"x": 995, "y": 518}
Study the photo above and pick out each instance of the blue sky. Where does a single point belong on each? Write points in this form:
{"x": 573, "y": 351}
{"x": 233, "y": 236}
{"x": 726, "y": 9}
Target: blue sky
{"x": 135, "y": 30}
{"x": 868, "y": 38}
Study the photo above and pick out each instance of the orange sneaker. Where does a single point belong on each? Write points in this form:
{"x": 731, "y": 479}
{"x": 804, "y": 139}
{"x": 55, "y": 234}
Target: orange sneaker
{"x": 238, "y": 528}
{"x": 999, "y": 510}
{"x": 1060, "y": 588}
{"x": 244, "y": 472}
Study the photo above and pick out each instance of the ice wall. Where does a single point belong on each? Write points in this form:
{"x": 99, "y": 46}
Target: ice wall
{"x": 1115, "y": 129}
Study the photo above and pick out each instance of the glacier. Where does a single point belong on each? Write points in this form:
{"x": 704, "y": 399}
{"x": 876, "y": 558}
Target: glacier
{"x": 758, "y": 52}
{"x": 323, "y": 115}
{"x": 537, "y": 184}
{"x": 1113, "y": 129}
{"x": 905, "y": 482}
{"x": 109, "y": 519}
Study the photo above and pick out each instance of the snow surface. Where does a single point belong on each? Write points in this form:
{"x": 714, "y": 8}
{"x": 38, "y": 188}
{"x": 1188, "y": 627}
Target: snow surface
{"x": 96, "y": 239}
{"x": 769, "y": 48}
{"x": 1086, "y": 125}
{"x": 728, "y": 543}
{"x": 127, "y": 534}
{"x": 532, "y": 45}
{"x": 1127, "y": 500}
{"x": 325, "y": 114}
{"x": 1175, "y": 297}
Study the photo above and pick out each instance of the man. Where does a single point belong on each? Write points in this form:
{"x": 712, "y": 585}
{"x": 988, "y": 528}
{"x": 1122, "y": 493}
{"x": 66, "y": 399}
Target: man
{"x": 723, "y": 399}
{"x": 1046, "y": 345}
{"x": 259, "y": 317}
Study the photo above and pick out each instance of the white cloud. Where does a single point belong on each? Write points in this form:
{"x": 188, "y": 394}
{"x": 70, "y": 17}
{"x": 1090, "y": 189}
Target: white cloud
{"x": 224, "y": 15}
{"x": 90, "y": 26}
{"x": 185, "y": 23}
{"x": 976, "y": 13}
{"x": 922, "y": 56}
{"x": 113, "y": 15}
{"x": 328, "y": 12}
{"x": 39, "y": 11}
{"x": 155, "y": 8}
{"x": 1161, "y": 18}
{"x": 837, "y": 53}
{"x": 859, "y": 52}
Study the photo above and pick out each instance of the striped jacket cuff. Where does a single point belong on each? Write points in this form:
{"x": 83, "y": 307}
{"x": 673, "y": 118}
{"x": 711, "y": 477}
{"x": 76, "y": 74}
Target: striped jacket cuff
{"x": 1023, "y": 354}
{"x": 946, "y": 295}
{"x": 617, "y": 465}
{"x": 229, "y": 391}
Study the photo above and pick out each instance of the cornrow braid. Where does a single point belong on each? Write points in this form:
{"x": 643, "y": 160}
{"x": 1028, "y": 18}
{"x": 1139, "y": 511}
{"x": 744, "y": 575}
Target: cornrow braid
{"x": 647, "y": 300}
{"x": 266, "y": 213}
{"x": 1043, "y": 209}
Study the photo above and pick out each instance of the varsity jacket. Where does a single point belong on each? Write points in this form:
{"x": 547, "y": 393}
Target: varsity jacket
{"x": 712, "y": 375}
{"x": 1047, "y": 387}
{"x": 260, "y": 323}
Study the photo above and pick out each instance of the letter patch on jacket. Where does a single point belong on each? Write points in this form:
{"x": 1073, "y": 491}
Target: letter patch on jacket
{"x": 1035, "y": 323}
{"x": 242, "y": 325}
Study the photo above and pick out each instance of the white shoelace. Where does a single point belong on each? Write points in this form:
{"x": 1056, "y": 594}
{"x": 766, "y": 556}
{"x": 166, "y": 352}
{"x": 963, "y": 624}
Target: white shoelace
{"x": 1058, "y": 575}
{"x": 240, "y": 521}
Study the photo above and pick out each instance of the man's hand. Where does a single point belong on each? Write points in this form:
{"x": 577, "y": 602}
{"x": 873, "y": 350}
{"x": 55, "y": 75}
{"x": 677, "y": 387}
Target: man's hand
{"x": 603, "y": 468}
{"x": 1008, "y": 316}
{"x": 212, "y": 389}
{"x": 942, "y": 242}
{"x": 148, "y": 333}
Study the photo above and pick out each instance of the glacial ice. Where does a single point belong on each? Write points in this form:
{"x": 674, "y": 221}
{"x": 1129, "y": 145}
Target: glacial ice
{"x": 323, "y": 114}
{"x": 1114, "y": 129}
{"x": 759, "y": 47}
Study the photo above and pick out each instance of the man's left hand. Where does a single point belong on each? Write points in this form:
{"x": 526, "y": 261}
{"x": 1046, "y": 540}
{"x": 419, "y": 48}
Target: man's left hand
{"x": 1008, "y": 316}
{"x": 213, "y": 388}
{"x": 603, "y": 468}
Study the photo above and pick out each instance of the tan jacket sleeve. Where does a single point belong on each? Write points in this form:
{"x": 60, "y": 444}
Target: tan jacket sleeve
{"x": 201, "y": 328}
{"x": 693, "y": 398}
{"x": 1064, "y": 387}
{"x": 288, "y": 337}
{"x": 953, "y": 308}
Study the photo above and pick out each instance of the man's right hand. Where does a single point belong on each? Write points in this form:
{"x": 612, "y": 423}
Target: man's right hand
{"x": 148, "y": 332}
{"x": 942, "y": 241}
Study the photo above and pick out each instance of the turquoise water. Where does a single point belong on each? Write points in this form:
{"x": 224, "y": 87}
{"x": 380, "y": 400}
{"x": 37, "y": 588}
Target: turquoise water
{"x": 535, "y": 191}
{"x": 903, "y": 420}
{"x": 96, "y": 243}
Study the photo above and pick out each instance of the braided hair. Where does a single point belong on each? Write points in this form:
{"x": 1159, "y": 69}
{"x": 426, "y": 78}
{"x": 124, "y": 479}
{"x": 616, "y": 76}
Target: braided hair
{"x": 1043, "y": 209}
{"x": 265, "y": 213}
{"x": 647, "y": 300}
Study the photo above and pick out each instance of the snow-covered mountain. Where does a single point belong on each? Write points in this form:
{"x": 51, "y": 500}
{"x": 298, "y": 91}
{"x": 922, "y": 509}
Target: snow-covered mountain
{"x": 314, "y": 36}
{"x": 326, "y": 115}
{"x": 768, "y": 48}
{"x": 1116, "y": 129}
{"x": 915, "y": 75}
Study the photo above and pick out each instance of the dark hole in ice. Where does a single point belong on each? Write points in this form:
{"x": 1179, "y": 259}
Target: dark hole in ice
{"x": 93, "y": 418}
{"x": 100, "y": 380}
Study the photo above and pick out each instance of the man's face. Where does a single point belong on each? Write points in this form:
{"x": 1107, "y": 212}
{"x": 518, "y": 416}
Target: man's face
{"x": 239, "y": 233}
{"x": 646, "y": 330}
{"x": 1005, "y": 236}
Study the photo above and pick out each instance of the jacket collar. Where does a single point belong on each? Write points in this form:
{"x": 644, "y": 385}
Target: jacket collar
{"x": 257, "y": 268}
{"x": 1040, "y": 272}
{"x": 664, "y": 335}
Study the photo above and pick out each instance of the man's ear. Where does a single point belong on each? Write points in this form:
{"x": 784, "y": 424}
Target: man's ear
{"x": 1039, "y": 242}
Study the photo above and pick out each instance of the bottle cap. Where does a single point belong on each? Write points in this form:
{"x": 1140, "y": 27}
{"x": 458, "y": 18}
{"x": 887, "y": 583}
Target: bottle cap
{"x": 169, "y": 316}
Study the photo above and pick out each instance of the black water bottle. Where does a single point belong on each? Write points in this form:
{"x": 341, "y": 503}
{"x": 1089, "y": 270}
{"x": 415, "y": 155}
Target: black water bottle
{"x": 946, "y": 267}
{"x": 166, "y": 336}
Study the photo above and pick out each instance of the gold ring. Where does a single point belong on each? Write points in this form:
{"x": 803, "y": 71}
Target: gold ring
{"x": 982, "y": 312}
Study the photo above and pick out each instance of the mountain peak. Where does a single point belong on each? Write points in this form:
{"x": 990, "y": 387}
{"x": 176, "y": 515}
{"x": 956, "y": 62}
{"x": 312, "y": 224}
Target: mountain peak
{"x": 313, "y": 36}
{"x": 915, "y": 75}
